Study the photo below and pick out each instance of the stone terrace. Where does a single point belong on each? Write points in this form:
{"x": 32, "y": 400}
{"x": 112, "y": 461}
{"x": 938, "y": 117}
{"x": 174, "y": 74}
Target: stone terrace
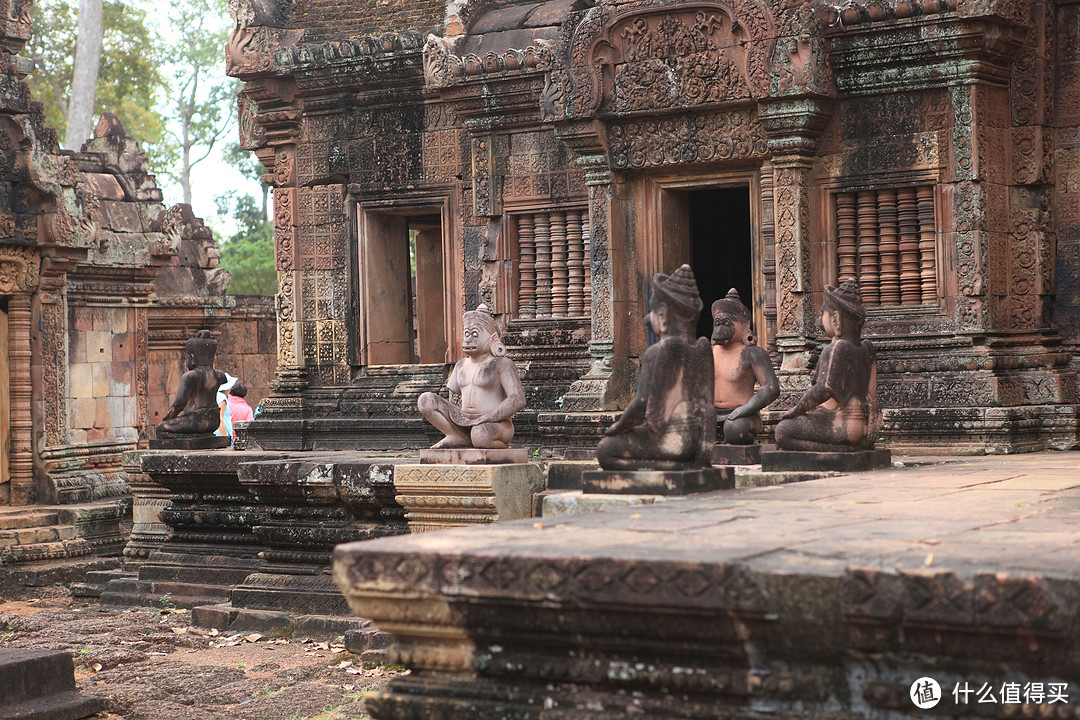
{"x": 824, "y": 598}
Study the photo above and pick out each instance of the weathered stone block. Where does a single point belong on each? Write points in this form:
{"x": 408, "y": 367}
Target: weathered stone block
{"x": 101, "y": 372}
{"x": 81, "y": 380}
{"x": 443, "y": 496}
{"x": 202, "y": 442}
{"x": 659, "y": 482}
{"x": 781, "y": 460}
{"x": 724, "y": 454}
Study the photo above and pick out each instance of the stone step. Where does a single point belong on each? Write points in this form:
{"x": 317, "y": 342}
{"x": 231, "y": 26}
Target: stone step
{"x": 142, "y": 593}
{"x": 13, "y": 519}
{"x": 45, "y": 551}
{"x": 229, "y": 619}
{"x": 97, "y": 581}
{"x": 41, "y": 684}
{"x": 52, "y": 572}
{"x": 37, "y": 534}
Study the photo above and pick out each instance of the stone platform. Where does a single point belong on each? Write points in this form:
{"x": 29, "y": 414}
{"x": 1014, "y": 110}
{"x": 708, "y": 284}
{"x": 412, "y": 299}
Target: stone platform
{"x": 436, "y": 497}
{"x": 809, "y": 461}
{"x": 725, "y": 454}
{"x": 658, "y": 482}
{"x": 820, "y": 599}
{"x": 473, "y": 456}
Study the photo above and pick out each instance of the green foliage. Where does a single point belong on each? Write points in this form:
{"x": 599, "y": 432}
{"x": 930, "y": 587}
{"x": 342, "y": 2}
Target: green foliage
{"x": 130, "y": 81}
{"x": 248, "y": 255}
{"x": 201, "y": 96}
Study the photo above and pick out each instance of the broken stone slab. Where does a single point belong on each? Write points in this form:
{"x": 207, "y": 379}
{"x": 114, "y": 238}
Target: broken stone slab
{"x": 808, "y": 460}
{"x": 473, "y": 456}
{"x": 41, "y": 684}
{"x": 445, "y": 496}
{"x": 659, "y": 482}
{"x": 724, "y": 454}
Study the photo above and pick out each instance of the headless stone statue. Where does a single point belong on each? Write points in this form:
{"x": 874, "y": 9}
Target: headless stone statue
{"x": 840, "y": 410}
{"x": 739, "y": 365}
{"x": 489, "y": 386}
{"x": 194, "y": 412}
{"x": 670, "y": 424}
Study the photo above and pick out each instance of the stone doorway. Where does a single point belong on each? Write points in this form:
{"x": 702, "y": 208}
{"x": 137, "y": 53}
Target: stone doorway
{"x": 403, "y": 262}
{"x": 713, "y": 224}
{"x": 721, "y": 250}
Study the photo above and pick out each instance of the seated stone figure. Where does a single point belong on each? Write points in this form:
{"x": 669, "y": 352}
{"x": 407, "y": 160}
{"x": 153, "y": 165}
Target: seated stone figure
{"x": 670, "y": 424}
{"x": 739, "y": 364}
{"x": 489, "y": 387}
{"x": 840, "y": 410}
{"x": 197, "y": 396}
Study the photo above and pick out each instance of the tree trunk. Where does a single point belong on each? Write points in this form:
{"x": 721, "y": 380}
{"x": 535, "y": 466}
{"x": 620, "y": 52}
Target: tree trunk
{"x": 85, "y": 74}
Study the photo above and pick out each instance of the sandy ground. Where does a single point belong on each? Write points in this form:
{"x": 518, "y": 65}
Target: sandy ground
{"x": 149, "y": 663}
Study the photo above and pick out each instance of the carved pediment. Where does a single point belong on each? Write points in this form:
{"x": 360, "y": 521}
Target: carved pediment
{"x": 639, "y": 57}
{"x": 668, "y": 60}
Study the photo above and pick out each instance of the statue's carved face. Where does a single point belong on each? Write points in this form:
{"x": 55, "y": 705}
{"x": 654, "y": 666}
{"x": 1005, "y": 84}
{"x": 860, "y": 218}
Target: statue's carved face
{"x": 192, "y": 363}
{"x": 476, "y": 341}
{"x": 657, "y": 319}
{"x": 726, "y": 328}
{"x": 830, "y": 322}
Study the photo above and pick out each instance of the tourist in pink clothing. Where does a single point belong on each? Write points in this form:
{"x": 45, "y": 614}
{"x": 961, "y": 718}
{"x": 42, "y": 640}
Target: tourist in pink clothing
{"x": 238, "y": 406}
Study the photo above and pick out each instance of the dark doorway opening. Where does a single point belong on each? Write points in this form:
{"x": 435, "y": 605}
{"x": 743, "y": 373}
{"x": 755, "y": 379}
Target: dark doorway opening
{"x": 721, "y": 247}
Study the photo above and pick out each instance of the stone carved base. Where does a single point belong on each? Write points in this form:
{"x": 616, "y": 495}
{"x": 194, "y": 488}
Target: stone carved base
{"x": 724, "y": 454}
{"x": 659, "y": 482}
{"x": 445, "y": 496}
{"x": 473, "y": 456}
{"x": 199, "y": 442}
{"x": 857, "y": 461}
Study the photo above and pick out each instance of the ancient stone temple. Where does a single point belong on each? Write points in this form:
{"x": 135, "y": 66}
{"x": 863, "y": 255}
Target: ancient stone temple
{"x": 547, "y": 158}
{"x": 100, "y": 285}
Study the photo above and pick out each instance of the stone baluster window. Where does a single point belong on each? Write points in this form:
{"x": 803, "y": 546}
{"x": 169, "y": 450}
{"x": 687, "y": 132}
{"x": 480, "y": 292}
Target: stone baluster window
{"x": 887, "y": 239}
{"x": 553, "y": 278}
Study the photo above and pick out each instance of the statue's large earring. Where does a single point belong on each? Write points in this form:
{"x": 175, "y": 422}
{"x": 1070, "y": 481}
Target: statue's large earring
{"x": 750, "y": 338}
{"x": 497, "y": 347}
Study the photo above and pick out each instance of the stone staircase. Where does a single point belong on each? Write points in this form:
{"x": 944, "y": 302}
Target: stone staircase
{"x": 60, "y": 542}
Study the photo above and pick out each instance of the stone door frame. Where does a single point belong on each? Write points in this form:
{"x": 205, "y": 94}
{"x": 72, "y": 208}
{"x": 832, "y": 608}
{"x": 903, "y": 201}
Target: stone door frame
{"x": 657, "y": 252}
{"x": 386, "y": 216}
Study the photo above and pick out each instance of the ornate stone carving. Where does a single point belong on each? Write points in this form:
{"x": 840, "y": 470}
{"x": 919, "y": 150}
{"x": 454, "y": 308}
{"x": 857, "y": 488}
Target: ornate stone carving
{"x": 661, "y": 57}
{"x": 19, "y": 269}
{"x": 686, "y": 139}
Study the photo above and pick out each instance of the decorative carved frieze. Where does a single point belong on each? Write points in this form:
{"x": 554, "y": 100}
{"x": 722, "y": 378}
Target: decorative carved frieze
{"x": 683, "y": 139}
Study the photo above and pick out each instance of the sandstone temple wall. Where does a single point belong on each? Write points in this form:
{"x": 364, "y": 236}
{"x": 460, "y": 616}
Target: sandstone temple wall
{"x": 547, "y": 157}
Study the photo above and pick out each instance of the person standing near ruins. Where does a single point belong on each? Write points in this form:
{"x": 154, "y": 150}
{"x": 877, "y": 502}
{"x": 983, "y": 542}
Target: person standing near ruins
{"x": 239, "y": 409}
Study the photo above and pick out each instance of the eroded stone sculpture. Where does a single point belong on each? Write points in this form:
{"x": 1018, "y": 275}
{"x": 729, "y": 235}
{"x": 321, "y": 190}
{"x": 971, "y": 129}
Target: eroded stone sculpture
{"x": 670, "y": 424}
{"x": 194, "y": 414}
{"x": 739, "y": 365}
{"x": 839, "y": 412}
{"x": 489, "y": 386}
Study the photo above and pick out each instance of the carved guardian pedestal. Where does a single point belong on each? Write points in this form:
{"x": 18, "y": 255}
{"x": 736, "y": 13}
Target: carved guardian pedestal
{"x": 724, "y": 454}
{"x": 445, "y": 496}
{"x": 857, "y": 461}
{"x": 659, "y": 482}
